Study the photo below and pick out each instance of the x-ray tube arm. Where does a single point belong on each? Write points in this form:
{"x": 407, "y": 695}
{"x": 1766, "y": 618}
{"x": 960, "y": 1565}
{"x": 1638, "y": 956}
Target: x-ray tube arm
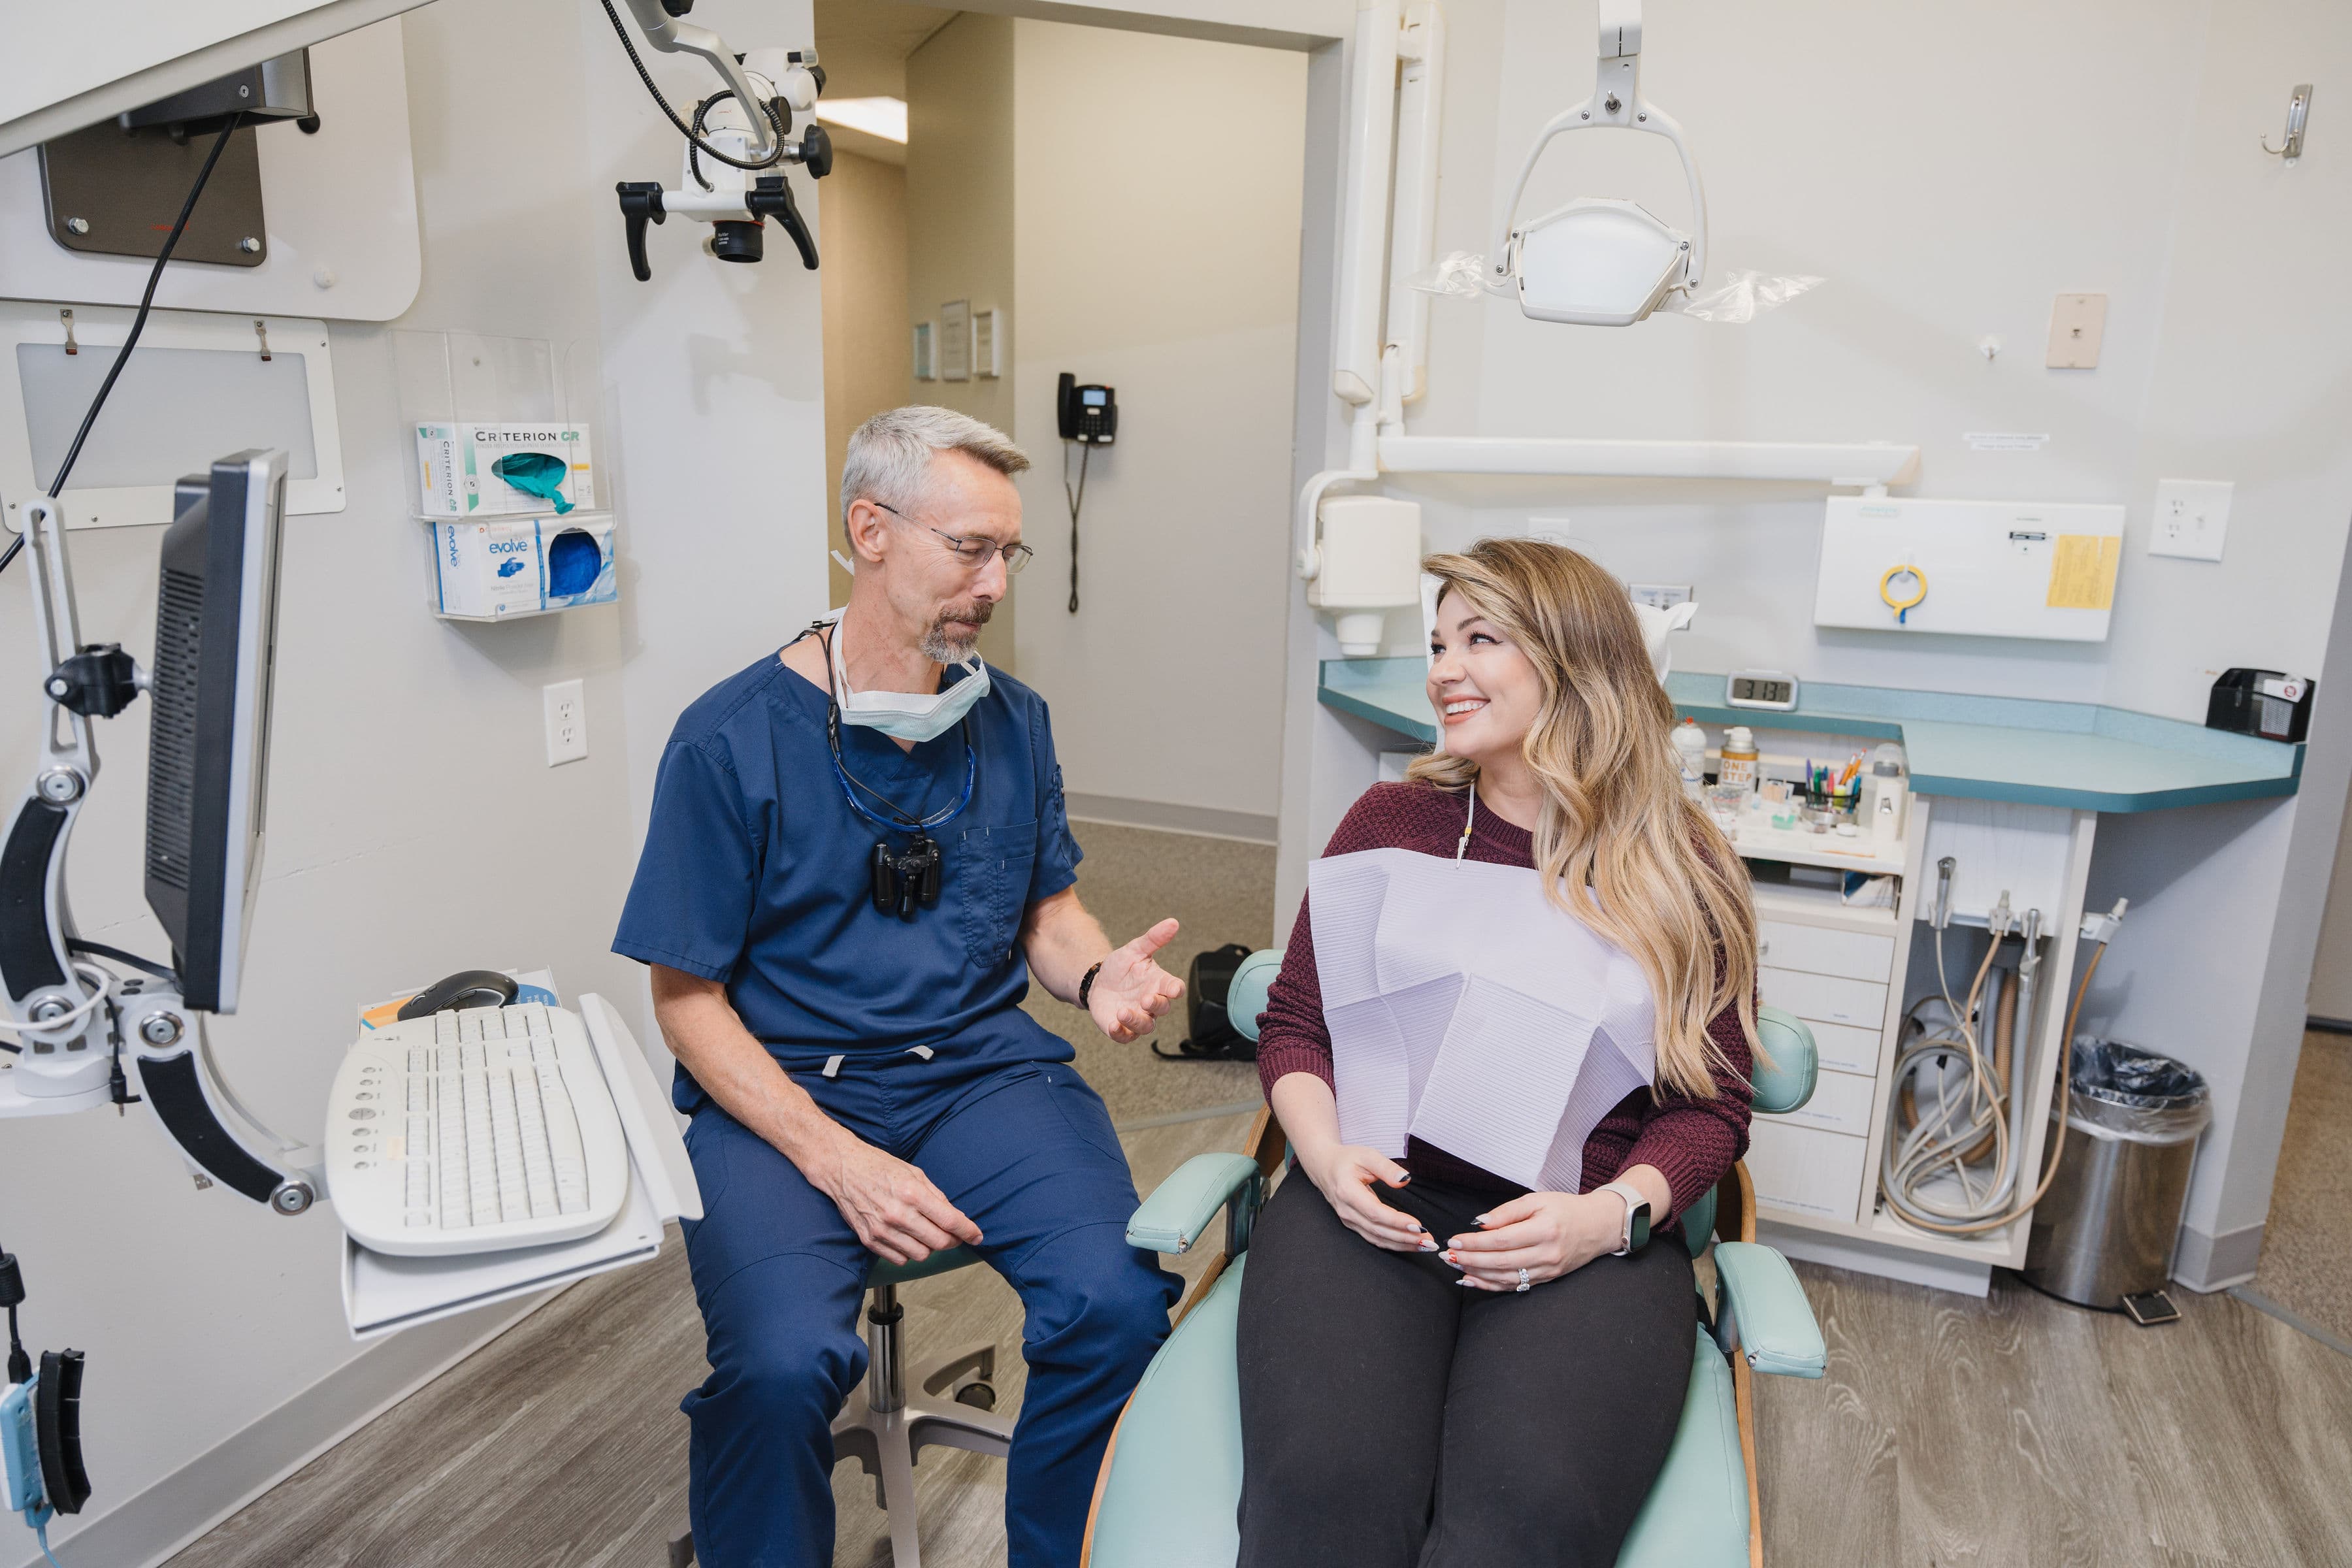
{"x": 72, "y": 1026}
{"x": 672, "y": 36}
{"x": 1364, "y": 220}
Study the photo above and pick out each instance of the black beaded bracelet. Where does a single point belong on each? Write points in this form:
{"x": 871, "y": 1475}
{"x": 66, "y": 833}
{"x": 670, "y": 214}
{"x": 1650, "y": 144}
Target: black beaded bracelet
{"x": 1086, "y": 985}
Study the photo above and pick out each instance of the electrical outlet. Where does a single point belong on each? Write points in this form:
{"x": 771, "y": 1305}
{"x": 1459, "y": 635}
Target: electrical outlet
{"x": 2192, "y": 516}
{"x": 566, "y": 707}
{"x": 1660, "y": 595}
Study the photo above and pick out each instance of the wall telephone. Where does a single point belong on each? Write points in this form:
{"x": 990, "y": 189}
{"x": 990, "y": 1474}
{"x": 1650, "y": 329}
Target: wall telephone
{"x": 1088, "y": 417}
{"x": 1087, "y": 413}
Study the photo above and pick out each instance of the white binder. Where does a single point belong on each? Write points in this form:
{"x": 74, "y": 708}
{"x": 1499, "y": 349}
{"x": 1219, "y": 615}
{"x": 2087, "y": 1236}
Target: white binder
{"x": 383, "y": 1295}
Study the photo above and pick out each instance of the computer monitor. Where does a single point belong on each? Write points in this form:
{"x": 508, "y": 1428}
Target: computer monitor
{"x": 208, "y": 758}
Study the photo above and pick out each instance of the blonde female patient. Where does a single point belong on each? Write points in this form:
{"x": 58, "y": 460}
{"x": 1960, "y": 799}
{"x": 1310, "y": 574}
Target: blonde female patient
{"x": 1510, "y": 1045}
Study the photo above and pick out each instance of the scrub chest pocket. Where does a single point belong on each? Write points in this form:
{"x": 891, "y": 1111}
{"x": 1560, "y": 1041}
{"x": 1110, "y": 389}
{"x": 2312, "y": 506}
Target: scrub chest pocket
{"x": 995, "y": 864}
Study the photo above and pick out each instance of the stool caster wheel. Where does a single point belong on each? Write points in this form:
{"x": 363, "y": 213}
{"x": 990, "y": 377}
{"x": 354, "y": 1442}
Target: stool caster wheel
{"x": 979, "y": 1395}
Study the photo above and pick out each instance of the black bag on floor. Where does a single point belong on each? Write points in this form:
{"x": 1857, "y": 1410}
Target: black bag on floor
{"x": 1212, "y": 1037}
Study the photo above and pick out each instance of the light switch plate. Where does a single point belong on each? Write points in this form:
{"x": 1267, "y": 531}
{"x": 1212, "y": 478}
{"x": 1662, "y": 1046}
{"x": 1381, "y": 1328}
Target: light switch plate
{"x": 566, "y": 710}
{"x": 2191, "y": 518}
{"x": 2077, "y": 322}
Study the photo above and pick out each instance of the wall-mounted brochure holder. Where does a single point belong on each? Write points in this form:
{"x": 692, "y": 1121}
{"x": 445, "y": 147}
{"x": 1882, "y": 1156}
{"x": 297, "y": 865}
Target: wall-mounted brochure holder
{"x": 383, "y": 1295}
{"x": 512, "y": 470}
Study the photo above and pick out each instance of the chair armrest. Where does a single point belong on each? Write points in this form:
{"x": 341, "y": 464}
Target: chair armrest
{"x": 1760, "y": 1311}
{"x": 1172, "y": 1219}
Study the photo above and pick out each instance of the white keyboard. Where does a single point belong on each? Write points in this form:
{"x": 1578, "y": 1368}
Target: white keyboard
{"x": 475, "y": 1132}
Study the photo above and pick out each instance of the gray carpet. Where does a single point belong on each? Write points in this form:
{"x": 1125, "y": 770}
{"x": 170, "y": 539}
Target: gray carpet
{"x": 1221, "y": 891}
{"x": 2307, "y": 1263}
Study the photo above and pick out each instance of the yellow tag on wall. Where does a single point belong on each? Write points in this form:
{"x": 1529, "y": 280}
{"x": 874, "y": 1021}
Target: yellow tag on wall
{"x": 2082, "y": 571}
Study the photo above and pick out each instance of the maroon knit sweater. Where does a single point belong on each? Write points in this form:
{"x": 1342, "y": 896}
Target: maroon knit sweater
{"x": 1692, "y": 1142}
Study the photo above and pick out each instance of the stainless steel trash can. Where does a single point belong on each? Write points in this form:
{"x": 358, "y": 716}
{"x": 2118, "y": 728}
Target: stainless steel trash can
{"x": 2105, "y": 1230}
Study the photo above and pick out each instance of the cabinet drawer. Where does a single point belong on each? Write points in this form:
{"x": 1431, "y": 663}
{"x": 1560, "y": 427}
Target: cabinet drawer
{"x": 1805, "y": 1169}
{"x": 1841, "y": 1103}
{"x": 1825, "y": 998}
{"x": 1841, "y": 1047}
{"x": 1818, "y": 950}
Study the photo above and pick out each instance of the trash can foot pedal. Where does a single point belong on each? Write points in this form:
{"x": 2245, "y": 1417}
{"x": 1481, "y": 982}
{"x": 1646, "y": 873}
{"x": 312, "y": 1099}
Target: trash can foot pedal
{"x": 2149, "y": 1307}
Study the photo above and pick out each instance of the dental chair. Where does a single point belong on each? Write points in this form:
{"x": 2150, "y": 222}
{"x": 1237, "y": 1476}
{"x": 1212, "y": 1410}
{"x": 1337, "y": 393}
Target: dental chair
{"x": 1169, "y": 1485}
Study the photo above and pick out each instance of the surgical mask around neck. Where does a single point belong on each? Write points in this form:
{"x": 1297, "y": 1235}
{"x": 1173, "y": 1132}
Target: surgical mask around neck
{"x": 905, "y": 715}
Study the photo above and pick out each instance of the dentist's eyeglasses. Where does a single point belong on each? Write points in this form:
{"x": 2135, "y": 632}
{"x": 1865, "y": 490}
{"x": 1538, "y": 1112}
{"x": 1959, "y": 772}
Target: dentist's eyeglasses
{"x": 975, "y": 553}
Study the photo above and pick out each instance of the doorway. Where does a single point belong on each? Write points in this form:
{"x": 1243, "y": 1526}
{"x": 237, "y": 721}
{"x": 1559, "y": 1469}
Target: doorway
{"x": 1124, "y": 208}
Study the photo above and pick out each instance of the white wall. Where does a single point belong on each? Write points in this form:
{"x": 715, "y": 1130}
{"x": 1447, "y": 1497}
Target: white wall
{"x": 414, "y": 827}
{"x": 1155, "y": 235}
{"x": 1948, "y": 177}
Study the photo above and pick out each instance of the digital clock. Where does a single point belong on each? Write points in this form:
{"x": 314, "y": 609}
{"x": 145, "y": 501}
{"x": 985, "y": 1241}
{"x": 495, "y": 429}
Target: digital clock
{"x": 1773, "y": 689}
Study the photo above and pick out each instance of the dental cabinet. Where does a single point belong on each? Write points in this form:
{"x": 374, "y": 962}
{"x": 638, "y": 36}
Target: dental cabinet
{"x": 2012, "y": 790}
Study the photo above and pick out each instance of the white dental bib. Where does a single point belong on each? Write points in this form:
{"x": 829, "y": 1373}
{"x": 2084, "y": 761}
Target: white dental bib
{"x": 1469, "y": 1011}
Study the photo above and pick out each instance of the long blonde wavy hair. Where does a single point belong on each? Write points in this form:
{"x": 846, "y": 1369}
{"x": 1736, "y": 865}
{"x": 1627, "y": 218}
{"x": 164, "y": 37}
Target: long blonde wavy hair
{"x": 1668, "y": 887}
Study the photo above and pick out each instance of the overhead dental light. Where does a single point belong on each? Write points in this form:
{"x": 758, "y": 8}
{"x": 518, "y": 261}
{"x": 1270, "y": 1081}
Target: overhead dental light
{"x": 1600, "y": 262}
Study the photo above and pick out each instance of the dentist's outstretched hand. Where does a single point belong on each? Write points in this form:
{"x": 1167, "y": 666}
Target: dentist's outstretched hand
{"x": 1132, "y": 991}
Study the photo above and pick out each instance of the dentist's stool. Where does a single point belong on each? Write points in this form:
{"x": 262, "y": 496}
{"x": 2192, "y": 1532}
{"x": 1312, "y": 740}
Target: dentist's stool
{"x": 1173, "y": 1475}
{"x": 884, "y": 1426}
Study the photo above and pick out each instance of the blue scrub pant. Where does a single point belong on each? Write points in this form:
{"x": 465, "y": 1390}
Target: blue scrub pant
{"x": 1022, "y": 1147}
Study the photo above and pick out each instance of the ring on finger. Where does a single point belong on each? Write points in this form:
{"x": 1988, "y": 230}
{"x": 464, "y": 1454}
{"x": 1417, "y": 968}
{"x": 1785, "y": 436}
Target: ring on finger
{"x": 1524, "y": 1287}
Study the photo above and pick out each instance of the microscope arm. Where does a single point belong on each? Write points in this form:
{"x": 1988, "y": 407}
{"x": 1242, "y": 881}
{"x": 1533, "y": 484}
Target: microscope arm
{"x": 671, "y": 36}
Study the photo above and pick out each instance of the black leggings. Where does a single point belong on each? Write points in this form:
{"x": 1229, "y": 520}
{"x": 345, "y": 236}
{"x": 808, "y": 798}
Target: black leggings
{"x": 1392, "y": 1418}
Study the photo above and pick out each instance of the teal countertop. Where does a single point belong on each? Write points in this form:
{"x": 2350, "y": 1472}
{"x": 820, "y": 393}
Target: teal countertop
{"x": 2072, "y": 755}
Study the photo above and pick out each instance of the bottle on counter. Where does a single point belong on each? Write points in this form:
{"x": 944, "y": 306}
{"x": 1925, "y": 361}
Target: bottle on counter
{"x": 1885, "y": 797}
{"x": 1690, "y": 755}
{"x": 1739, "y": 757}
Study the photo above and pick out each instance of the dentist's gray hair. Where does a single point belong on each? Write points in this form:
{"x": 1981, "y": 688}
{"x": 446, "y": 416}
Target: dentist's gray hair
{"x": 890, "y": 455}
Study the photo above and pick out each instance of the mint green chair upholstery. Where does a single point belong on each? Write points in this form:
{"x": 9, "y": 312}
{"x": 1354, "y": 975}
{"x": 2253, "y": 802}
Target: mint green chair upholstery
{"x": 1173, "y": 1475}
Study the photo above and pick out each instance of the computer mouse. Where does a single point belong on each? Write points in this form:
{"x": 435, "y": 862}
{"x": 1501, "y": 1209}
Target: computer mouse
{"x": 467, "y": 988}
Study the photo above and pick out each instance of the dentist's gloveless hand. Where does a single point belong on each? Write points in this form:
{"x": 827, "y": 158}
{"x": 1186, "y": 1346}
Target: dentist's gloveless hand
{"x": 1132, "y": 992}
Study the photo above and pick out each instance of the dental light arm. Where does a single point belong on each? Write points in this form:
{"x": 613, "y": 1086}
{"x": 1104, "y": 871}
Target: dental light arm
{"x": 71, "y": 1018}
{"x": 1596, "y": 261}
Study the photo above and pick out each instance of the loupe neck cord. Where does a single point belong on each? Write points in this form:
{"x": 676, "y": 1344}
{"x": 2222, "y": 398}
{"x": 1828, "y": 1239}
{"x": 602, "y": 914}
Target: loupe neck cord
{"x": 899, "y": 820}
{"x": 1928, "y": 1150}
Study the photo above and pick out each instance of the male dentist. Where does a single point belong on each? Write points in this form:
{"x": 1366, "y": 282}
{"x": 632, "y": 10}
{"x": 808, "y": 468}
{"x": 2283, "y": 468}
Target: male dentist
{"x": 858, "y": 855}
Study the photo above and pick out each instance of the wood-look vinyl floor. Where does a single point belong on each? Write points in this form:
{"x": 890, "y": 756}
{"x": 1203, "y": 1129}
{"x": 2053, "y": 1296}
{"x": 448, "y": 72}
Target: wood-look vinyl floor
{"x": 2017, "y": 1430}
{"x": 560, "y": 1445}
{"x": 1949, "y": 1433}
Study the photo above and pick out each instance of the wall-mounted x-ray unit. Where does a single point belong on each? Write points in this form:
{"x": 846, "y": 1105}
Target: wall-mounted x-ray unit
{"x": 1993, "y": 569}
{"x": 199, "y": 385}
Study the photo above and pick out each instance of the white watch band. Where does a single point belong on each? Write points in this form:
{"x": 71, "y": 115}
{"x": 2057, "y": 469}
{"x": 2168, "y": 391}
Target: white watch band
{"x": 1632, "y": 1196}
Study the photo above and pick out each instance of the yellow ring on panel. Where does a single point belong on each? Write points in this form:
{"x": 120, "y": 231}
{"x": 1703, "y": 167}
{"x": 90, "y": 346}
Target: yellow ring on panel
{"x": 1901, "y": 607}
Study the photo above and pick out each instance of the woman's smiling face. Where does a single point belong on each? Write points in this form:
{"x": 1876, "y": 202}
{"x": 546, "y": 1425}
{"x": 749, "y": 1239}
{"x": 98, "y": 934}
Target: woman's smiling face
{"x": 1485, "y": 692}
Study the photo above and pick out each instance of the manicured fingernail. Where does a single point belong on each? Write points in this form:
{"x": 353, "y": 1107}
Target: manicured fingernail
{"x": 1480, "y": 1221}
{"x": 1453, "y": 1261}
{"x": 1467, "y": 1282}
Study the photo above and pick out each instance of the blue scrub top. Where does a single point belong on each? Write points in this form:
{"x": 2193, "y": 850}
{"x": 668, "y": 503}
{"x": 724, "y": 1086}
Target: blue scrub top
{"x": 757, "y": 872}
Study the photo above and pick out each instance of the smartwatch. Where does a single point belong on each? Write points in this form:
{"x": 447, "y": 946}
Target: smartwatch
{"x": 1636, "y": 1234}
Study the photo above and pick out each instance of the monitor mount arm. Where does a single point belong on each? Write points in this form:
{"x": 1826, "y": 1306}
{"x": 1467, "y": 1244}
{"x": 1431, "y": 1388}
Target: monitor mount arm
{"x": 74, "y": 1021}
